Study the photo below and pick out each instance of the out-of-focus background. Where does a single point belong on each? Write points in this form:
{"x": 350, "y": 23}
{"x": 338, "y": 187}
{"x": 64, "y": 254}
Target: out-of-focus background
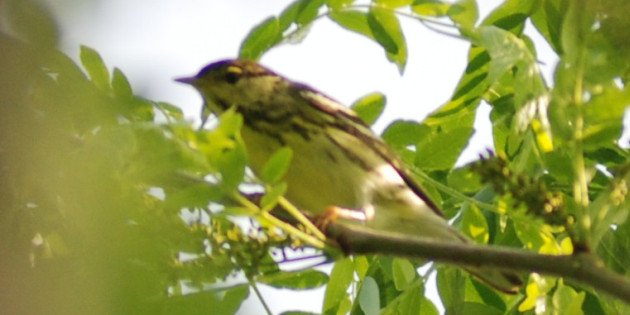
{"x": 153, "y": 42}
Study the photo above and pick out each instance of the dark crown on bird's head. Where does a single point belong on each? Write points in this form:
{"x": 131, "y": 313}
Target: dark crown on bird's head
{"x": 234, "y": 69}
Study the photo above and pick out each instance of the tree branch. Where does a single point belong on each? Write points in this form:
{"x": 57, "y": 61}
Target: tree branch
{"x": 584, "y": 268}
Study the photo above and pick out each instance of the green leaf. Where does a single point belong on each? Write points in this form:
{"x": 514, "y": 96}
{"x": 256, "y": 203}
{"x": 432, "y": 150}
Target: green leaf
{"x": 301, "y": 280}
{"x": 402, "y": 133}
{"x": 566, "y": 301}
{"x": 474, "y": 224}
{"x": 403, "y": 272}
{"x": 270, "y": 199}
{"x": 32, "y": 21}
{"x": 120, "y": 85}
{"x": 95, "y": 67}
{"x": 340, "y": 279}
{"x": 387, "y": 32}
{"x": 548, "y": 20}
{"x": 336, "y": 5}
{"x": 353, "y": 20}
{"x": 511, "y": 15}
{"x": 440, "y": 150}
{"x": 297, "y": 313}
{"x": 369, "y": 107}
{"x": 464, "y": 13}
{"x": 451, "y": 287}
{"x": 369, "y": 297}
{"x": 277, "y": 165}
{"x": 170, "y": 110}
{"x": 472, "y": 308}
{"x": 505, "y": 49}
{"x": 309, "y": 12}
{"x": 393, "y": 3}
{"x": 260, "y": 39}
{"x": 435, "y": 8}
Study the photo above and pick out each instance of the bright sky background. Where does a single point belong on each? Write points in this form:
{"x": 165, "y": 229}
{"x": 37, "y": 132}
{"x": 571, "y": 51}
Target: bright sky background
{"x": 154, "y": 41}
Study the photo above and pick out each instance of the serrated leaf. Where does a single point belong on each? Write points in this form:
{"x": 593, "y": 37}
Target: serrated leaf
{"x": 277, "y": 165}
{"x": 387, "y": 32}
{"x": 301, "y": 280}
{"x": 340, "y": 278}
{"x": 95, "y": 67}
{"x": 369, "y": 107}
{"x": 120, "y": 85}
{"x": 369, "y": 300}
{"x": 260, "y": 39}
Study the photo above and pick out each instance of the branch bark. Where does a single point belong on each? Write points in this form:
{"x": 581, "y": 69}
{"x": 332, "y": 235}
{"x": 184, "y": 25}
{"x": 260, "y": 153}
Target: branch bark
{"x": 583, "y": 268}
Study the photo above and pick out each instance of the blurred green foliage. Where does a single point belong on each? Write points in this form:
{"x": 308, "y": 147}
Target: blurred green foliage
{"x": 113, "y": 203}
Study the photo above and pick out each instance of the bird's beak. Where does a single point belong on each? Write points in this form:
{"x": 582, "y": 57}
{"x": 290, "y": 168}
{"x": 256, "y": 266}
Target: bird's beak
{"x": 186, "y": 80}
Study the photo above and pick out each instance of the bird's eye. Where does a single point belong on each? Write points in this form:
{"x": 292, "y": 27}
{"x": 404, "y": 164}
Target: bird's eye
{"x": 233, "y": 74}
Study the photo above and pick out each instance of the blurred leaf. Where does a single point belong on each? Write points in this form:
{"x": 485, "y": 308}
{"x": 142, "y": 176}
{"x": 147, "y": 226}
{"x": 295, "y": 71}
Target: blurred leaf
{"x": 369, "y": 107}
{"x": 464, "y": 13}
{"x": 450, "y": 284}
{"x": 120, "y": 85}
{"x": 438, "y": 151}
{"x": 260, "y": 39}
{"x": 402, "y": 133}
{"x": 270, "y": 199}
{"x": 387, "y": 32}
{"x": 548, "y": 20}
{"x": 309, "y": 11}
{"x": 403, "y": 273}
{"x": 32, "y": 21}
{"x": 170, "y": 110}
{"x": 566, "y": 301}
{"x": 198, "y": 303}
{"x": 393, "y": 3}
{"x": 434, "y": 8}
{"x": 352, "y": 20}
{"x": 277, "y": 165}
{"x": 95, "y": 67}
{"x": 336, "y": 5}
{"x": 473, "y": 308}
{"x": 511, "y": 15}
{"x": 464, "y": 180}
{"x": 369, "y": 297}
{"x": 301, "y": 280}
{"x": 474, "y": 224}
{"x": 340, "y": 278}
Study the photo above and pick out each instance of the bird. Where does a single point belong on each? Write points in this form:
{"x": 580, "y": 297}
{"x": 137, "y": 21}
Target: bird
{"x": 339, "y": 164}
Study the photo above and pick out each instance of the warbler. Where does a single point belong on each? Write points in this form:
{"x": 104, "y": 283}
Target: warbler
{"x": 338, "y": 163}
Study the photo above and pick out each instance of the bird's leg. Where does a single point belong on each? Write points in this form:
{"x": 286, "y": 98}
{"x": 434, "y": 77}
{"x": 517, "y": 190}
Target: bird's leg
{"x": 333, "y": 213}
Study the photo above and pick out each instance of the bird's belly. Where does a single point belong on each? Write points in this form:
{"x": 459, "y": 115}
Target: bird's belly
{"x": 320, "y": 175}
